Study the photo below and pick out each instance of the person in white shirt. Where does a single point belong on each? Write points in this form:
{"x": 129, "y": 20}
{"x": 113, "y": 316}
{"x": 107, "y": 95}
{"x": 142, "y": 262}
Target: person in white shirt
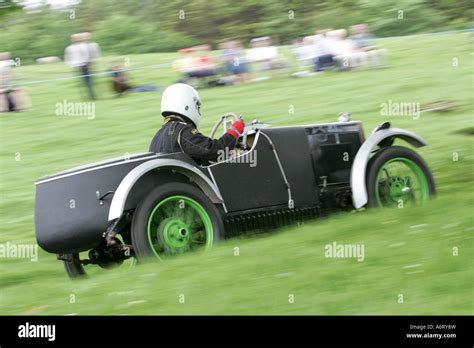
{"x": 5, "y": 68}
{"x": 323, "y": 50}
{"x": 80, "y": 55}
{"x": 342, "y": 52}
{"x": 12, "y": 97}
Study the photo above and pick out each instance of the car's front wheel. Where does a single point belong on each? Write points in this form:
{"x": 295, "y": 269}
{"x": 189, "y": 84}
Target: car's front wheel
{"x": 173, "y": 219}
{"x": 398, "y": 176}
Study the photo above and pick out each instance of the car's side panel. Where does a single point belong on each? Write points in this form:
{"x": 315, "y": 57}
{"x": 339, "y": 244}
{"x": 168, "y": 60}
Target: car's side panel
{"x": 333, "y": 148}
{"x": 68, "y": 214}
{"x": 292, "y": 147}
{"x": 69, "y": 217}
{"x": 245, "y": 186}
{"x": 359, "y": 167}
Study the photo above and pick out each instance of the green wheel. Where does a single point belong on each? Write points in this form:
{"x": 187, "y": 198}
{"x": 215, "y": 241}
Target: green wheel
{"x": 398, "y": 177}
{"x": 174, "y": 219}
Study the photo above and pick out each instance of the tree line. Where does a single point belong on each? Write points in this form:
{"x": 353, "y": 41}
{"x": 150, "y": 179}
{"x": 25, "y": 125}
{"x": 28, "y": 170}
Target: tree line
{"x": 127, "y": 27}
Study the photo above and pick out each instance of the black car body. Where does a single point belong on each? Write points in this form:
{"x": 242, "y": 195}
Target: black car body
{"x": 289, "y": 174}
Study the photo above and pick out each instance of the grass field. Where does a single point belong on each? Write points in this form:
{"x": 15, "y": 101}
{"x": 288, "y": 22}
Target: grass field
{"x": 408, "y": 252}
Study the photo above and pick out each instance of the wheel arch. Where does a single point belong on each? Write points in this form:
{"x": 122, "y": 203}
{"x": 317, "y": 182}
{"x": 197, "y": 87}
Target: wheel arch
{"x": 130, "y": 181}
{"x": 359, "y": 166}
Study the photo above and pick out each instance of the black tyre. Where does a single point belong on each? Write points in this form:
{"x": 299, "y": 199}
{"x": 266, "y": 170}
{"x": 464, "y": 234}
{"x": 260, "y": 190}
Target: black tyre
{"x": 397, "y": 176}
{"x": 172, "y": 219}
{"x": 73, "y": 267}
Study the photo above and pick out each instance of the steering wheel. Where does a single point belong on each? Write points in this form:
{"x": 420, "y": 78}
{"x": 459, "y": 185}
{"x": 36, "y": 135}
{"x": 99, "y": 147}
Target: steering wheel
{"x": 223, "y": 120}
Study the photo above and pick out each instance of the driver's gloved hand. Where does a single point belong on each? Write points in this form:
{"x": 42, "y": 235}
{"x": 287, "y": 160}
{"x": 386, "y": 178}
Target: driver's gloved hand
{"x": 237, "y": 128}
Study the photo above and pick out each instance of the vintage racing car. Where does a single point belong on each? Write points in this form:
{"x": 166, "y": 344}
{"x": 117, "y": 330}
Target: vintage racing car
{"x": 165, "y": 204}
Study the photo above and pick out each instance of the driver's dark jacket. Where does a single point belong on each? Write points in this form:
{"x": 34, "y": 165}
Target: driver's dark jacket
{"x": 178, "y": 136}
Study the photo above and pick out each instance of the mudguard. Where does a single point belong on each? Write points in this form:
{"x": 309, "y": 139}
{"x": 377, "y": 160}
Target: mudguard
{"x": 120, "y": 197}
{"x": 359, "y": 167}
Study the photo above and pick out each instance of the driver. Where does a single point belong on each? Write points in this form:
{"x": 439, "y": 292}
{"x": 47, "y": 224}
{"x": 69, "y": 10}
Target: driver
{"x": 180, "y": 106}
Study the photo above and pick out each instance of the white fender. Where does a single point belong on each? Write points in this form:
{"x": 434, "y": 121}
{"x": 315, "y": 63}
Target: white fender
{"x": 120, "y": 196}
{"x": 359, "y": 166}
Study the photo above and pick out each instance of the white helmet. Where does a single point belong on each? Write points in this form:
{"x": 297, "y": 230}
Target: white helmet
{"x": 181, "y": 99}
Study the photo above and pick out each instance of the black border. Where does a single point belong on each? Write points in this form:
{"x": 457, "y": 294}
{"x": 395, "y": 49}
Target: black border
{"x": 135, "y": 331}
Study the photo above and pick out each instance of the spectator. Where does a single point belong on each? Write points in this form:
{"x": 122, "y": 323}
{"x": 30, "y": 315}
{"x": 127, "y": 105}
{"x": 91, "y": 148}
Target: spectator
{"x": 342, "y": 49}
{"x": 364, "y": 43}
{"x": 361, "y": 37}
{"x": 265, "y": 55}
{"x": 81, "y": 54}
{"x": 234, "y": 59}
{"x": 304, "y": 49}
{"x": 12, "y": 98}
{"x": 197, "y": 64}
{"x": 121, "y": 84}
{"x": 323, "y": 46}
{"x": 119, "y": 80}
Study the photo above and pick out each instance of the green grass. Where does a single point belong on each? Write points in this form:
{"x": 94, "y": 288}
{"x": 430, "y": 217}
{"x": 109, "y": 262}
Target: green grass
{"x": 272, "y": 266}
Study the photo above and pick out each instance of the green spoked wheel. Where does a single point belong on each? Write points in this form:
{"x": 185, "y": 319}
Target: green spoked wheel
{"x": 398, "y": 177}
{"x": 173, "y": 219}
{"x": 401, "y": 181}
{"x": 178, "y": 224}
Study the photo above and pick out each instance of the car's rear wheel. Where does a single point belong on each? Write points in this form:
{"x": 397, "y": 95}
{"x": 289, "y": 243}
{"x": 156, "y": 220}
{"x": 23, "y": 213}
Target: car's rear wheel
{"x": 73, "y": 266}
{"x": 173, "y": 219}
{"x": 397, "y": 177}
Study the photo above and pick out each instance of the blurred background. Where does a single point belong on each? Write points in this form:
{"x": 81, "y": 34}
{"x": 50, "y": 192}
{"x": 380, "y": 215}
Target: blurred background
{"x": 81, "y": 81}
{"x": 37, "y": 28}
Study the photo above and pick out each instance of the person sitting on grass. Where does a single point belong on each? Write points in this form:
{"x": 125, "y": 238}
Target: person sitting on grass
{"x": 233, "y": 54}
{"x": 119, "y": 80}
{"x": 324, "y": 56}
{"x": 364, "y": 42}
{"x": 121, "y": 84}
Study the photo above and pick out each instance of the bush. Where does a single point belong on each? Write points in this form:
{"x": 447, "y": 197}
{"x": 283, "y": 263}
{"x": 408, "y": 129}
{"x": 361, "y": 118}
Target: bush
{"x": 125, "y": 35}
